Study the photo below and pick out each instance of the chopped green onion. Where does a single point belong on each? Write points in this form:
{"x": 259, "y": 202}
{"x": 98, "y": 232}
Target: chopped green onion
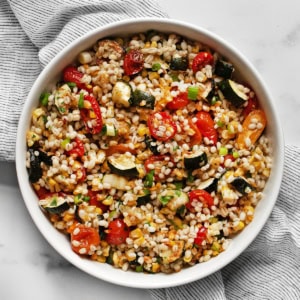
{"x": 192, "y": 92}
{"x": 54, "y": 202}
{"x": 65, "y": 142}
{"x": 220, "y": 123}
{"x": 165, "y": 199}
{"x": 81, "y": 101}
{"x": 174, "y": 76}
{"x": 223, "y": 151}
{"x": 156, "y": 67}
{"x": 71, "y": 84}
{"x": 44, "y": 98}
{"x": 178, "y": 185}
{"x": 214, "y": 100}
{"x": 86, "y": 198}
{"x": 235, "y": 154}
{"x": 149, "y": 179}
{"x": 77, "y": 199}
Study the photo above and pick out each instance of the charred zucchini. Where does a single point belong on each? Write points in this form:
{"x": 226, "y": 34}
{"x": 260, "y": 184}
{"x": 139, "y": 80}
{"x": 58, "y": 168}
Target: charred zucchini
{"x": 151, "y": 144}
{"x": 195, "y": 160}
{"x": 224, "y": 69}
{"x": 242, "y": 185}
{"x": 122, "y": 93}
{"x": 179, "y": 64}
{"x": 55, "y": 204}
{"x": 143, "y": 99}
{"x": 210, "y": 185}
{"x": 122, "y": 165}
{"x": 231, "y": 91}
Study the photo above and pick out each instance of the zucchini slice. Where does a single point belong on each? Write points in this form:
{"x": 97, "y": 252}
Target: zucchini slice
{"x": 242, "y": 185}
{"x": 151, "y": 144}
{"x": 143, "y": 99}
{"x": 195, "y": 160}
{"x": 173, "y": 199}
{"x": 179, "y": 64}
{"x": 210, "y": 185}
{"x": 123, "y": 165}
{"x": 122, "y": 93}
{"x": 55, "y": 204}
{"x": 115, "y": 181}
{"x": 231, "y": 91}
{"x": 224, "y": 69}
{"x": 144, "y": 199}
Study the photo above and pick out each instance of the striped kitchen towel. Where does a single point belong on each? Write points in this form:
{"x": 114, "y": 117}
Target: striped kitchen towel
{"x": 270, "y": 266}
{"x": 32, "y": 32}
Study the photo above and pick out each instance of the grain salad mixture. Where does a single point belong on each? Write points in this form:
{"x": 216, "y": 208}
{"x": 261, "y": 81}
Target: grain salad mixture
{"x": 149, "y": 154}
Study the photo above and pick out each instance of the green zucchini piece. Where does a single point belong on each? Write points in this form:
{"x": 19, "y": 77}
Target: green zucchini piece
{"x": 179, "y": 63}
{"x": 242, "y": 185}
{"x": 143, "y": 99}
{"x": 232, "y": 93}
{"x": 210, "y": 185}
{"x": 151, "y": 144}
{"x": 55, "y": 204}
{"x": 122, "y": 93}
{"x": 195, "y": 160}
{"x": 122, "y": 165}
{"x": 224, "y": 69}
{"x": 144, "y": 199}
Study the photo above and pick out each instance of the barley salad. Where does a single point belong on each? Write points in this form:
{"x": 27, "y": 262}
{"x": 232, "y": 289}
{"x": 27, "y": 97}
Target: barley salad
{"x": 149, "y": 154}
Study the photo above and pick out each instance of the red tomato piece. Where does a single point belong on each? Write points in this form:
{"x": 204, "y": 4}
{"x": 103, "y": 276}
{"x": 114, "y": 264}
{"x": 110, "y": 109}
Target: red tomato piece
{"x": 78, "y": 148}
{"x": 92, "y": 117}
{"x": 156, "y": 162}
{"x": 201, "y": 236}
{"x": 94, "y": 201}
{"x": 252, "y": 105}
{"x": 199, "y": 196}
{"x": 117, "y": 232}
{"x": 83, "y": 237}
{"x": 121, "y": 149}
{"x": 133, "y": 62}
{"x": 228, "y": 157}
{"x": 206, "y": 124}
{"x": 196, "y": 139}
{"x": 161, "y": 126}
{"x": 178, "y": 102}
{"x": 71, "y": 74}
{"x": 201, "y": 60}
{"x": 43, "y": 193}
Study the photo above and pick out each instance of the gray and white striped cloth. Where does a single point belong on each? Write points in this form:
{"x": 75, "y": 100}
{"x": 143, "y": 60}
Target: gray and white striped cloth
{"x": 32, "y": 32}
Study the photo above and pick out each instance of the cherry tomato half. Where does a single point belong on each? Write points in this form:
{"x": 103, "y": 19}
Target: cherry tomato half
{"x": 201, "y": 60}
{"x": 161, "y": 126}
{"x": 206, "y": 125}
{"x": 83, "y": 237}
{"x": 228, "y": 157}
{"x": 71, "y": 74}
{"x": 201, "y": 236}
{"x": 199, "y": 196}
{"x": 133, "y": 62}
{"x": 78, "y": 148}
{"x": 252, "y": 105}
{"x": 92, "y": 117}
{"x": 178, "y": 102}
{"x": 117, "y": 232}
{"x": 195, "y": 139}
{"x": 94, "y": 201}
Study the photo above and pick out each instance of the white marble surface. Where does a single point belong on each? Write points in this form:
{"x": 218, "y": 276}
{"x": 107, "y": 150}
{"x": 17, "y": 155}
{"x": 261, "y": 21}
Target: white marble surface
{"x": 267, "y": 32}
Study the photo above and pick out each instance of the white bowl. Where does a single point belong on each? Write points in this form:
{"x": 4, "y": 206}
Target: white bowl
{"x": 104, "y": 271}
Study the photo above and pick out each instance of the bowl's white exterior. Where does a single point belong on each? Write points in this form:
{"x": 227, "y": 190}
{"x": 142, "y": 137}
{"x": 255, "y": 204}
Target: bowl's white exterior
{"x": 239, "y": 243}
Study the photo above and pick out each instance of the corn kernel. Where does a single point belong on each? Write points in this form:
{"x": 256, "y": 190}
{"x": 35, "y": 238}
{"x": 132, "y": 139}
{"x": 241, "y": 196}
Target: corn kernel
{"x": 144, "y": 73}
{"x": 147, "y": 45}
{"x": 155, "y": 267}
{"x": 142, "y": 130}
{"x": 239, "y": 226}
{"x": 68, "y": 217}
{"x": 153, "y": 75}
{"x": 215, "y": 246}
{"x": 108, "y": 201}
{"x": 136, "y": 233}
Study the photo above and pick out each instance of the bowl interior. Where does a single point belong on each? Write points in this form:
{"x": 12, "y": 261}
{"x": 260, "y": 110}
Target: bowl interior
{"x": 103, "y": 271}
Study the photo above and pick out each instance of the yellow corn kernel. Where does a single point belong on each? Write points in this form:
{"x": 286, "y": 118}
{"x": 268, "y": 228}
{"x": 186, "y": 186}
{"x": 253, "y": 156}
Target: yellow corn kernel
{"x": 177, "y": 222}
{"x": 215, "y": 253}
{"x": 153, "y": 75}
{"x": 196, "y": 49}
{"x": 239, "y": 226}
{"x": 87, "y": 104}
{"x": 115, "y": 258}
{"x": 155, "y": 267}
{"x": 92, "y": 115}
{"x": 147, "y": 45}
{"x": 136, "y": 233}
{"x": 99, "y": 211}
{"x": 101, "y": 258}
{"x": 36, "y": 114}
{"x": 32, "y": 137}
{"x": 216, "y": 246}
{"x": 126, "y": 78}
{"x": 154, "y": 44}
{"x": 130, "y": 255}
{"x": 249, "y": 210}
{"x": 142, "y": 130}
{"x": 108, "y": 201}
{"x": 68, "y": 217}
{"x": 52, "y": 182}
